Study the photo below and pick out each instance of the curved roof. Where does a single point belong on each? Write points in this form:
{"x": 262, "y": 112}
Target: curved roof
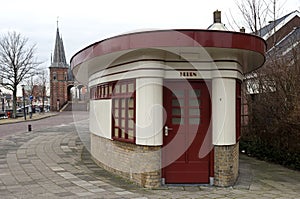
{"x": 208, "y": 39}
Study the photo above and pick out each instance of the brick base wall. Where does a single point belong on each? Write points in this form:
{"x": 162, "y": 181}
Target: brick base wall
{"x": 226, "y": 165}
{"x": 139, "y": 164}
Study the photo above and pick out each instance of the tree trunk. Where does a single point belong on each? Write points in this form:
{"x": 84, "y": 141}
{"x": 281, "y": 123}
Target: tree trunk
{"x": 14, "y": 102}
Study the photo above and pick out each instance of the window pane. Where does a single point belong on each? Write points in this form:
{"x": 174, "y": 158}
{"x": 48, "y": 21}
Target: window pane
{"x": 117, "y": 88}
{"x": 176, "y": 111}
{"x": 130, "y": 134}
{"x": 177, "y": 120}
{"x": 116, "y": 132}
{"x": 106, "y": 91}
{"x": 130, "y": 88}
{"x": 110, "y": 89}
{"x": 195, "y": 93}
{"x": 194, "y": 120}
{"x": 123, "y": 123}
{"x": 176, "y": 102}
{"x": 123, "y": 111}
{"x": 130, "y": 124}
{"x": 131, "y": 103}
{"x": 123, "y": 88}
{"x": 116, "y": 113}
{"x": 99, "y": 91}
{"x": 194, "y": 102}
{"x": 116, "y": 103}
{"x": 178, "y": 93}
{"x": 194, "y": 111}
{"x": 123, "y": 101}
{"x": 123, "y": 133}
{"x": 131, "y": 113}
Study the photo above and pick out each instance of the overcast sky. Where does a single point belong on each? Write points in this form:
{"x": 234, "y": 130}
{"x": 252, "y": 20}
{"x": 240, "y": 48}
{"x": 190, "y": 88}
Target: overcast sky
{"x": 83, "y": 22}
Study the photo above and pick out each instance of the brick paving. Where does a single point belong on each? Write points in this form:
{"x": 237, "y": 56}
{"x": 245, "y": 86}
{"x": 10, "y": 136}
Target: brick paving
{"x": 55, "y": 163}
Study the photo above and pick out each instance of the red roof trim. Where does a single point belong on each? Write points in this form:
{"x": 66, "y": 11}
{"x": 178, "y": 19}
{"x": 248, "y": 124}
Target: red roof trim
{"x": 171, "y": 38}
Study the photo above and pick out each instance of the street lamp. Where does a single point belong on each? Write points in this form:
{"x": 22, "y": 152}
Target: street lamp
{"x": 23, "y": 93}
{"x": 2, "y": 100}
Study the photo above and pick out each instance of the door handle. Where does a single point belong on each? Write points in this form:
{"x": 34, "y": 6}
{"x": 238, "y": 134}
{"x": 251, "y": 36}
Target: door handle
{"x": 167, "y": 129}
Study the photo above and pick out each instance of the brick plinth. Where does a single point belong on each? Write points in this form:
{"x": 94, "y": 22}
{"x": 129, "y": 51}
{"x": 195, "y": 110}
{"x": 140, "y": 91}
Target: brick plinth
{"x": 139, "y": 164}
{"x": 226, "y": 165}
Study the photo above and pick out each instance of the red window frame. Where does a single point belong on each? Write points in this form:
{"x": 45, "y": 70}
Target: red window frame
{"x": 123, "y": 111}
{"x": 102, "y": 91}
{"x": 123, "y": 98}
{"x": 93, "y": 92}
{"x": 238, "y": 110}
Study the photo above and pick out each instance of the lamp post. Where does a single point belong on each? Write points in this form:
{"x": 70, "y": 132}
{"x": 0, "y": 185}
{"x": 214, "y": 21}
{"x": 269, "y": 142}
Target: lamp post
{"x": 23, "y": 93}
{"x": 2, "y": 100}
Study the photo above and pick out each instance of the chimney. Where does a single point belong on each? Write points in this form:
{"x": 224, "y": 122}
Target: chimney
{"x": 217, "y": 16}
{"x": 217, "y": 25}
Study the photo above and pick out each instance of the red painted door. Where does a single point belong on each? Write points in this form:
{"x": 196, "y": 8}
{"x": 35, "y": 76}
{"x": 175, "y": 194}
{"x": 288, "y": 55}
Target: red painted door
{"x": 187, "y": 106}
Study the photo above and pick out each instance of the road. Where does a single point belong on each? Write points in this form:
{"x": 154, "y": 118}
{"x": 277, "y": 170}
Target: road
{"x": 60, "y": 119}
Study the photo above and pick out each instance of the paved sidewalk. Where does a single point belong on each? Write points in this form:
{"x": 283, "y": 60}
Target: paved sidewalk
{"x": 35, "y": 116}
{"x": 53, "y": 163}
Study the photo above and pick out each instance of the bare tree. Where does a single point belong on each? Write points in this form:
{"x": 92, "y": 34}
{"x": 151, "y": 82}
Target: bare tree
{"x": 17, "y": 62}
{"x": 255, "y": 14}
{"x": 37, "y": 86}
{"x": 272, "y": 103}
{"x": 43, "y": 79}
{"x": 30, "y": 84}
{"x": 275, "y": 108}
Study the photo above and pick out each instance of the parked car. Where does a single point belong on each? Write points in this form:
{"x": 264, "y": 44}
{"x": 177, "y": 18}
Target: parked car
{"x": 2, "y": 114}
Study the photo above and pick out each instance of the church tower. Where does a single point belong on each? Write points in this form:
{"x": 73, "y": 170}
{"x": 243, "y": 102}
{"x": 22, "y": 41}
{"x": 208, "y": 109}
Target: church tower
{"x": 60, "y": 76}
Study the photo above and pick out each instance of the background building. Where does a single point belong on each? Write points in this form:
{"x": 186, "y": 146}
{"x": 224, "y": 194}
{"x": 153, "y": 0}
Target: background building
{"x": 65, "y": 92}
{"x": 61, "y": 78}
{"x": 271, "y": 109}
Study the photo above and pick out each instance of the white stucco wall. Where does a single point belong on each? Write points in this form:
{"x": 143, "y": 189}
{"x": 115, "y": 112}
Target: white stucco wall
{"x": 100, "y": 117}
{"x": 149, "y": 111}
{"x": 224, "y": 111}
{"x": 149, "y": 96}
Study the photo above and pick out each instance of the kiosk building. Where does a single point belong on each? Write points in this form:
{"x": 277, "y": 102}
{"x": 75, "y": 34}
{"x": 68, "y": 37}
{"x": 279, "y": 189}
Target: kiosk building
{"x": 165, "y": 104}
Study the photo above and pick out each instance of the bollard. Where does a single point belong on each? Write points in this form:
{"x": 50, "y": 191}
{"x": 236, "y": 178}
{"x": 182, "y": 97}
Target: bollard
{"x": 29, "y": 127}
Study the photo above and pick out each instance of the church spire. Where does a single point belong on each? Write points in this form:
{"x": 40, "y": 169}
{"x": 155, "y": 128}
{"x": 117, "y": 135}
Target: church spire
{"x": 59, "y": 58}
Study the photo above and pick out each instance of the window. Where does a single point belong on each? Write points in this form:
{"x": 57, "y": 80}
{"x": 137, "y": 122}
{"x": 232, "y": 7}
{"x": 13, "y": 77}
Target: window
{"x": 54, "y": 76}
{"x": 186, "y": 106}
{"x": 123, "y": 111}
{"x": 93, "y": 93}
{"x": 101, "y": 91}
{"x": 122, "y": 94}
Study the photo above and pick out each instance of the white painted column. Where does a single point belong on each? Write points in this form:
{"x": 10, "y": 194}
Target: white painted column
{"x": 224, "y": 111}
{"x": 149, "y": 111}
